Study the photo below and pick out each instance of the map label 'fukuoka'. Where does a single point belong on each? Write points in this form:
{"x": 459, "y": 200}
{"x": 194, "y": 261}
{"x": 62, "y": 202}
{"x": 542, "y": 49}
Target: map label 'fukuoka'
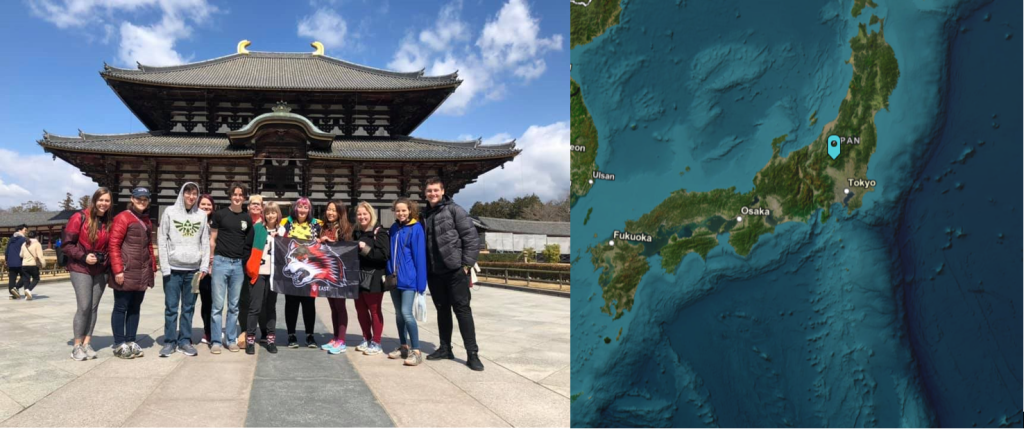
{"x": 862, "y": 183}
{"x": 603, "y": 176}
{"x": 632, "y": 237}
{"x": 760, "y": 211}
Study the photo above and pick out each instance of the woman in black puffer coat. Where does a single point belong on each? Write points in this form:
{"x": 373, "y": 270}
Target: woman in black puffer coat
{"x": 374, "y": 251}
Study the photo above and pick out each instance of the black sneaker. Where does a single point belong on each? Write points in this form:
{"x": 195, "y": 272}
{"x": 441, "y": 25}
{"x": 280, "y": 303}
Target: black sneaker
{"x": 473, "y": 362}
{"x": 272, "y": 348}
{"x": 311, "y": 342}
{"x": 250, "y": 348}
{"x": 293, "y": 343}
{"x": 443, "y": 352}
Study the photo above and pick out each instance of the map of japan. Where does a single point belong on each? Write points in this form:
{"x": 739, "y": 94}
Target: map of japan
{"x": 769, "y": 205}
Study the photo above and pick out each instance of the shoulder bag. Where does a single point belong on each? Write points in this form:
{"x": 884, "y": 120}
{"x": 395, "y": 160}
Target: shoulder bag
{"x": 366, "y": 276}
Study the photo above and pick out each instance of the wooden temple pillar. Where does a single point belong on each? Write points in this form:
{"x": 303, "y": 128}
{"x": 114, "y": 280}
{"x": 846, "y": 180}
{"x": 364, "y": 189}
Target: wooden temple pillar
{"x": 355, "y": 182}
{"x": 154, "y": 192}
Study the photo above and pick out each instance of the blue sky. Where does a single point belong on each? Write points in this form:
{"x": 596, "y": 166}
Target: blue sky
{"x": 512, "y": 54}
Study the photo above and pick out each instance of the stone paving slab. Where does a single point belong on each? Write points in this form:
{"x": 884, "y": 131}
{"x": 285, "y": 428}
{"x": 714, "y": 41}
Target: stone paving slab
{"x": 523, "y": 339}
{"x": 523, "y": 352}
{"x": 324, "y": 388}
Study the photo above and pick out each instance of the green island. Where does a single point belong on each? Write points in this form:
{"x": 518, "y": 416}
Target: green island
{"x": 792, "y": 188}
{"x": 858, "y": 5}
{"x": 625, "y": 267}
{"x": 587, "y": 219}
{"x": 814, "y": 118}
{"x": 581, "y": 133}
{"x": 574, "y": 397}
{"x": 592, "y": 20}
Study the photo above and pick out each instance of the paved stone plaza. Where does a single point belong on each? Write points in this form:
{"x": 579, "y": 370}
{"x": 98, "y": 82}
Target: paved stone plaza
{"x": 524, "y": 344}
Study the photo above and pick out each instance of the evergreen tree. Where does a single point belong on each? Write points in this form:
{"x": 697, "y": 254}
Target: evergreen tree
{"x": 68, "y": 203}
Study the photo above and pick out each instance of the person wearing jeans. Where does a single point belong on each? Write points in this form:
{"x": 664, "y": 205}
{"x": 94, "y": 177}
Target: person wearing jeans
{"x": 409, "y": 266}
{"x": 452, "y": 249}
{"x": 184, "y": 243}
{"x": 228, "y": 230}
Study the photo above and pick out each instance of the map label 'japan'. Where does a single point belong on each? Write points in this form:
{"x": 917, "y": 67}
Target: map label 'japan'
{"x": 862, "y": 183}
{"x": 632, "y": 237}
{"x": 603, "y": 176}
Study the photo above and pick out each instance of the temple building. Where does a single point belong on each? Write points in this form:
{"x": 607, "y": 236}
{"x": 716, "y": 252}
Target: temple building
{"x": 286, "y": 124}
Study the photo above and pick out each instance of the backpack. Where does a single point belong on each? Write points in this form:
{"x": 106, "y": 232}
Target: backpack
{"x": 62, "y": 259}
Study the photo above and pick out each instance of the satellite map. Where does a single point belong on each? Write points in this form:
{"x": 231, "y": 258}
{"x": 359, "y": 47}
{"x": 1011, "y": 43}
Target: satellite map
{"x": 796, "y": 213}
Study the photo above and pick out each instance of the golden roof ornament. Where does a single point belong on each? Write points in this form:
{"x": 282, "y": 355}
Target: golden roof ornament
{"x": 319, "y": 48}
{"x": 242, "y": 45}
{"x": 281, "y": 107}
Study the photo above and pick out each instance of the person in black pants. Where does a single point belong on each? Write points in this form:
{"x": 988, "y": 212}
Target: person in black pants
{"x": 452, "y": 249}
{"x": 206, "y": 284}
{"x": 303, "y": 226}
{"x": 13, "y": 260}
{"x": 32, "y": 262}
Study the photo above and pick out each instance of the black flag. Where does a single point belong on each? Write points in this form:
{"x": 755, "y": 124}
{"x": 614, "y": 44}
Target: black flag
{"x": 309, "y": 268}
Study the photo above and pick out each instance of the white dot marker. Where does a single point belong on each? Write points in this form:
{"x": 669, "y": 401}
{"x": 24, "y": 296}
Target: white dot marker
{"x": 739, "y": 218}
{"x": 846, "y": 191}
{"x": 611, "y": 242}
{"x": 591, "y": 181}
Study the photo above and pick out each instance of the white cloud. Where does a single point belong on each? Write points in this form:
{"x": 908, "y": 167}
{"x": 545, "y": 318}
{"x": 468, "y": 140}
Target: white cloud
{"x": 147, "y": 44}
{"x": 542, "y": 168}
{"x": 152, "y": 45}
{"x": 511, "y": 40}
{"x": 448, "y": 28}
{"x": 509, "y": 45}
{"x": 39, "y": 178}
{"x": 12, "y": 191}
{"x": 475, "y": 78}
{"x": 325, "y": 26}
{"x": 410, "y": 56}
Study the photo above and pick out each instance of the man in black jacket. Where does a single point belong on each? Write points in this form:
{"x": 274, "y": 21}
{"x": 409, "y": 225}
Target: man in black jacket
{"x": 12, "y": 258}
{"x": 452, "y": 249}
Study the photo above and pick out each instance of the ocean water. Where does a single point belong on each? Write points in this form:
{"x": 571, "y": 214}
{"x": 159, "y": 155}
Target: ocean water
{"x": 876, "y": 318}
{"x": 960, "y": 231}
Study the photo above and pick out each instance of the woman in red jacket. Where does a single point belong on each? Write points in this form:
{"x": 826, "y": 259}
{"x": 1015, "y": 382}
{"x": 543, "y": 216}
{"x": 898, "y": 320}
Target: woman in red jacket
{"x": 84, "y": 244}
{"x": 132, "y": 265}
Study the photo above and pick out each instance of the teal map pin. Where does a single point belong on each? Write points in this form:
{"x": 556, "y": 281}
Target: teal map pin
{"x": 833, "y": 146}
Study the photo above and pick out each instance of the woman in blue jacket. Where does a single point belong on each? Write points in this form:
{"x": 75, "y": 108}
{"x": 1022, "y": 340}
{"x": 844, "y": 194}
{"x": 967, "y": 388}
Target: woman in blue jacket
{"x": 409, "y": 265}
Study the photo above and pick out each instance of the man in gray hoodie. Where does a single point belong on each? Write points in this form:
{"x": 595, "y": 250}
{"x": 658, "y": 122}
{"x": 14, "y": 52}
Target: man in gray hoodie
{"x": 184, "y": 245}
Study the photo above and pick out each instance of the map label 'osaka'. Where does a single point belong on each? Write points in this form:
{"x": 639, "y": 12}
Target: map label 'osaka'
{"x": 760, "y": 211}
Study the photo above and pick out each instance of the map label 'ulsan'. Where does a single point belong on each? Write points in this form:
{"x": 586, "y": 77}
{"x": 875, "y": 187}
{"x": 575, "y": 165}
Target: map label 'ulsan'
{"x": 632, "y": 237}
{"x": 862, "y": 183}
{"x": 760, "y": 211}
{"x": 603, "y": 176}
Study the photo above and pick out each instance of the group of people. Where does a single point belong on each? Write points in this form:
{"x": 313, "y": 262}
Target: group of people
{"x": 24, "y": 258}
{"x": 223, "y": 257}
